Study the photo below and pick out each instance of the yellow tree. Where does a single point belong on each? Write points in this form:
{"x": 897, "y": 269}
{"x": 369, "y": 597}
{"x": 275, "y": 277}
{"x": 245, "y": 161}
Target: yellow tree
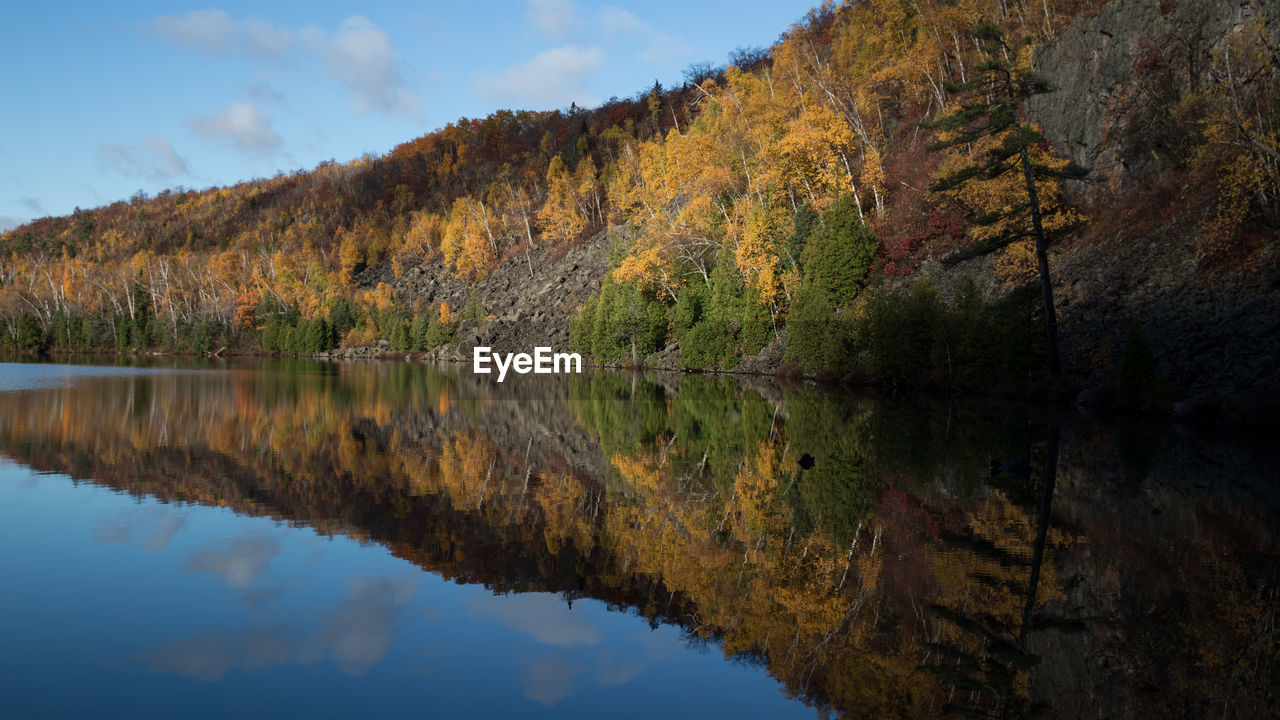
{"x": 468, "y": 243}
{"x": 423, "y": 236}
{"x": 350, "y": 255}
{"x": 1240, "y": 150}
{"x": 560, "y": 216}
{"x": 676, "y": 188}
{"x": 811, "y": 159}
{"x": 758, "y": 230}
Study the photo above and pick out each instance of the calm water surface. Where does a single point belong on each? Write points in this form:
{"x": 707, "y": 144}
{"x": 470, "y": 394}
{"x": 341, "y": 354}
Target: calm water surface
{"x": 377, "y": 539}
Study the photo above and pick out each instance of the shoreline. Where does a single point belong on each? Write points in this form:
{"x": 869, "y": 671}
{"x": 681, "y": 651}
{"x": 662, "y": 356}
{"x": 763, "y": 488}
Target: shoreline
{"x": 1205, "y": 412}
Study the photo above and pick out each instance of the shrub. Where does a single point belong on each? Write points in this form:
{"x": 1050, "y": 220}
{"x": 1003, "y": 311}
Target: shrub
{"x": 437, "y": 334}
{"x": 627, "y": 319}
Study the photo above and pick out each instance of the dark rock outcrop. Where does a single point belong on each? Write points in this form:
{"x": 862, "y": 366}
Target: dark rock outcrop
{"x": 1118, "y": 76}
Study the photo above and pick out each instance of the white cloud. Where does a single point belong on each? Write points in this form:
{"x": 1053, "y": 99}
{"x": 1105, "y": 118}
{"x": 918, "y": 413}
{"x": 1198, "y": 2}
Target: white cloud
{"x": 618, "y": 20}
{"x": 9, "y": 222}
{"x": 242, "y": 125}
{"x": 260, "y": 38}
{"x": 154, "y": 159}
{"x": 553, "y": 17}
{"x": 611, "y": 671}
{"x": 160, "y": 525}
{"x": 205, "y": 30}
{"x": 210, "y": 657}
{"x": 362, "y": 57}
{"x": 356, "y": 635}
{"x": 360, "y": 633}
{"x": 167, "y": 158}
{"x": 168, "y": 527}
{"x": 213, "y": 31}
{"x": 553, "y": 77}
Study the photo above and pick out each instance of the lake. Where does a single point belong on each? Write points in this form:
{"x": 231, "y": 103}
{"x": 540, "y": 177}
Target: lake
{"x": 299, "y": 538}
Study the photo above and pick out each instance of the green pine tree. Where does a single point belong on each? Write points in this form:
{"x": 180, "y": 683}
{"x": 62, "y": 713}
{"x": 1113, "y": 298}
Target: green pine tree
{"x": 990, "y": 108}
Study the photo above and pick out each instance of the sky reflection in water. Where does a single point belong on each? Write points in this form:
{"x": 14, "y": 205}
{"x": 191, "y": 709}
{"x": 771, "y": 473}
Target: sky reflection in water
{"x": 163, "y": 609}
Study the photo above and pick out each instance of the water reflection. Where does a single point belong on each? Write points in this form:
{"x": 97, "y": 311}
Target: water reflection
{"x": 238, "y": 565}
{"x": 876, "y": 556}
{"x": 354, "y": 637}
{"x": 541, "y": 616}
{"x": 211, "y": 657}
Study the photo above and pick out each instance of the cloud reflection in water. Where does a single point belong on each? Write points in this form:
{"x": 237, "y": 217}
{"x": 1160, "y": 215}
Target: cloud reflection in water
{"x": 355, "y": 637}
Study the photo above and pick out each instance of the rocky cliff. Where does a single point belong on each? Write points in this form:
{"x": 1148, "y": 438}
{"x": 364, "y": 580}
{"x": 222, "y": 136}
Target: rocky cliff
{"x": 1118, "y": 78}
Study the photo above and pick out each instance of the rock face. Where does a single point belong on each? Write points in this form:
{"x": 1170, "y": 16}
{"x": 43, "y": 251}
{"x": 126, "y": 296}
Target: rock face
{"x": 1118, "y": 75}
{"x": 529, "y": 301}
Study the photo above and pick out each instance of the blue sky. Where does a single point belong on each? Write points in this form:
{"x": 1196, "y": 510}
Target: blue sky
{"x": 105, "y": 99}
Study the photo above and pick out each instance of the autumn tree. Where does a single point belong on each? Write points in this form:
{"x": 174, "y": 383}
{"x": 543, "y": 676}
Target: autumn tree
{"x": 990, "y": 114}
{"x": 423, "y": 236}
{"x": 561, "y": 215}
{"x": 1238, "y": 113}
{"x": 469, "y": 243}
{"x": 350, "y": 256}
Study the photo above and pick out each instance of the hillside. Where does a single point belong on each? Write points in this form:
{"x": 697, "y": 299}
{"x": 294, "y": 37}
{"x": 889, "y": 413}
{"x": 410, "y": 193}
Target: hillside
{"x": 790, "y": 213}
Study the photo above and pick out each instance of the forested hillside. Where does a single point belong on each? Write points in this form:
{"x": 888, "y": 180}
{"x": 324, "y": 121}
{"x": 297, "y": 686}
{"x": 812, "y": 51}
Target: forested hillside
{"x": 900, "y": 191}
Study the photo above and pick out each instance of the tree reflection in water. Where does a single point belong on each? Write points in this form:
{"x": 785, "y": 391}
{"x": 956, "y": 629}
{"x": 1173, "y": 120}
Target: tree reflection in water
{"x": 859, "y": 548}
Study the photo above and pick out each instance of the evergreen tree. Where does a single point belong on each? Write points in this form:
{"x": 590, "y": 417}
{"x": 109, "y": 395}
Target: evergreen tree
{"x": 818, "y": 339}
{"x": 654, "y": 103}
{"x": 990, "y": 105}
{"x": 418, "y": 334}
{"x": 317, "y": 338}
{"x": 838, "y": 255}
{"x": 438, "y": 334}
{"x": 30, "y": 335}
